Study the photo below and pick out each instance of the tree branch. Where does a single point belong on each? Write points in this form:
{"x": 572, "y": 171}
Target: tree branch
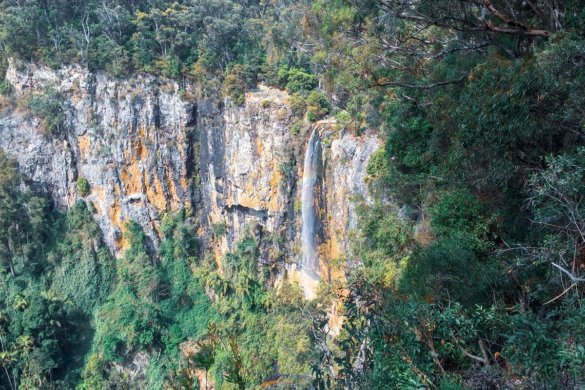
{"x": 517, "y": 31}
{"x": 389, "y": 83}
{"x": 573, "y": 278}
{"x": 561, "y": 294}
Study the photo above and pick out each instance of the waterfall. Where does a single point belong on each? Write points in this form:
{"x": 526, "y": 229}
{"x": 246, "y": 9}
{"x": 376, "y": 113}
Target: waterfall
{"x": 310, "y": 261}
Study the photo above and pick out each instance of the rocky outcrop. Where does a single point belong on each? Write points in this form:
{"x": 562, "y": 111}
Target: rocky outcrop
{"x": 132, "y": 140}
{"x": 146, "y": 149}
{"x": 344, "y": 184}
{"x": 247, "y": 169}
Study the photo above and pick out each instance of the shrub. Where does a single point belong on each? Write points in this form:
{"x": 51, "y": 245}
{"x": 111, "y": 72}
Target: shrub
{"x": 238, "y": 80}
{"x": 460, "y": 212}
{"x": 287, "y": 169}
{"x": 378, "y": 165}
{"x": 296, "y": 128}
{"x": 47, "y": 106}
{"x": 170, "y": 67}
{"x": 449, "y": 269}
{"x": 344, "y": 120}
{"x": 317, "y": 106}
{"x": 219, "y": 229}
{"x": 298, "y": 105}
{"x": 282, "y": 76}
{"x": 297, "y": 80}
{"x": 83, "y": 186}
{"x": 5, "y": 88}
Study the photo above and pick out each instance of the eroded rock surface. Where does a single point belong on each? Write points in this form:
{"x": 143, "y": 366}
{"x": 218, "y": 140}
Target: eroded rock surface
{"x": 247, "y": 168}
{"x": 146, "y": 149}
{"x": 132, "y": 140}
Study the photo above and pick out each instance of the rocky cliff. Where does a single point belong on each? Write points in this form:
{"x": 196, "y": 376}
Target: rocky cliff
{"x": 132, "y": 140}
{"x": 146, "y": 147}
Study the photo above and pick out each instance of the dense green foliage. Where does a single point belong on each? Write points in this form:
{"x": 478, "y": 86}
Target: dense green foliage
{"x": 470, "y": 258}
{"x": 47, "y": 107}
{"x": 159, "y": 303}
{"x": 83, "y": 186}
{"x": 167, "y": 37}
{"x": 475, "y": 281}
{"x": 155, "y": 304}
{"x": 55, "y": 273}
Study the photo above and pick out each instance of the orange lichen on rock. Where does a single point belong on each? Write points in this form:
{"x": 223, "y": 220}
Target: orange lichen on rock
{"x": 140, "y": 152}
{"x": 115, "y": 215}
{"x": 248, "y": 196}
{"x": 131, "y": 177}
{"x": 173, "y": 199}
{"x": 261, "y": 198}
{"x": 259, "y": 146}
{"x": 84, "y": 146}
{"x": 184, "y": 183}
{"x": 275, "y": 180}
{"x": 99, "y": 196}
{"x": 155, "y": 192}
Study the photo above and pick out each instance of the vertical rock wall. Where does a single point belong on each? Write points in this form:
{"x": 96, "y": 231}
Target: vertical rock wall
{"x": 246, "y": 166}
{"x": 132, "y": 140}
{"x": 146, "y": 150}
{"x": 344, "y": 184}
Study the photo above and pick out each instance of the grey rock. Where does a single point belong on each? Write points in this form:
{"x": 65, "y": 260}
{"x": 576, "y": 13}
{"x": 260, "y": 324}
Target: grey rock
{"x": 146, "y": 151}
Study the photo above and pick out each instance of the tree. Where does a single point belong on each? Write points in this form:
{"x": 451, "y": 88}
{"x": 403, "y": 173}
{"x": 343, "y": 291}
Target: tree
{"x": 205, "y": 356}
{"x": 234, "y": 370}
{"x": 11, "y": 216}
{"x": 556, "y": 199}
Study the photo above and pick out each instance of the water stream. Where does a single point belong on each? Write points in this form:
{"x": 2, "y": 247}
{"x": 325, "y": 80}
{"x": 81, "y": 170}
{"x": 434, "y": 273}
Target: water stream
{"x": 310, "y": 260}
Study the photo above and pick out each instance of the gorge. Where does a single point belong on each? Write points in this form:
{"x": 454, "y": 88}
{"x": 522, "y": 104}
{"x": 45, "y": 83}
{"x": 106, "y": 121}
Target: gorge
{"x": 277, "y": 195}
{"x": 146, "y": 150}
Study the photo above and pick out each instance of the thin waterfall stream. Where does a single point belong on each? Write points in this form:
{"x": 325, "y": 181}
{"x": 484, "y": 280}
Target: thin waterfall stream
{"x": 310, "y": 260}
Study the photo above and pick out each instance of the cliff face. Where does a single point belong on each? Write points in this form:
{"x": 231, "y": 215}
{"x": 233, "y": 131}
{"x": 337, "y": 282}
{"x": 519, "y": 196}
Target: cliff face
{"x": 132, "y": 140}
{"x": 247, "y": 167}
{"x": 145, "y": 149}
{"x": 345, "y": 183}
